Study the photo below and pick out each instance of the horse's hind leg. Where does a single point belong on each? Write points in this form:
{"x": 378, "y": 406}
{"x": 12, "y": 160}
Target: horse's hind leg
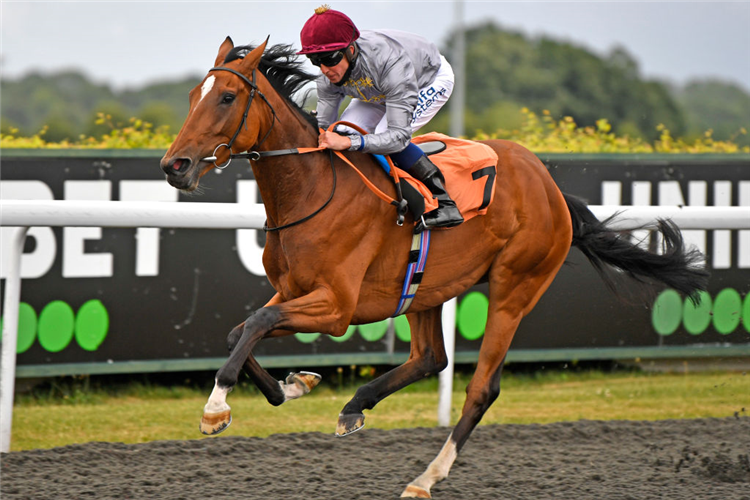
{"x": 426, "y": 358}
{"x": 482, "y": 391}
{"x": 517, "y": 281}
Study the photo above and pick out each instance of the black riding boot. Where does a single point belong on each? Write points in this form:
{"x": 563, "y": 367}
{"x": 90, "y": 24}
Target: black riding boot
{"x": 446, "y": 214}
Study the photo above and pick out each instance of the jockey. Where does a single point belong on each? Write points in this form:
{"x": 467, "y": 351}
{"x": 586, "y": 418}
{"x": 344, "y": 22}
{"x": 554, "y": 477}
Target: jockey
{"x": 398, "y": 82}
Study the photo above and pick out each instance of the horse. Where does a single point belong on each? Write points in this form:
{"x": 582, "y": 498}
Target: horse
{"x": 335, "y": 256}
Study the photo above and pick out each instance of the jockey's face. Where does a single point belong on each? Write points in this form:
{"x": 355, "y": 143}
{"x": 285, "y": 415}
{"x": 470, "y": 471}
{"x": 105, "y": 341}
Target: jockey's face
{"x": 337, "y": 65}
{"x": 337, "y": 72}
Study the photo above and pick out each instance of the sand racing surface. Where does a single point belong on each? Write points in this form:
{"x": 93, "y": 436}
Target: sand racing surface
{"x": 676, "y": 459}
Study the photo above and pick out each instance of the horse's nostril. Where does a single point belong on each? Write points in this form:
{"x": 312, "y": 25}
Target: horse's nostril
{"x": 180, "y": 165}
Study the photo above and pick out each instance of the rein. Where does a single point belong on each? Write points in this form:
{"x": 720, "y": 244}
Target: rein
{"x": 307, "y": 217}
{"x": 400, "y": 204}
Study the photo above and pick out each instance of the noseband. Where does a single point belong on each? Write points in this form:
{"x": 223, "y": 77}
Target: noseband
{"x": 253, "y": 89}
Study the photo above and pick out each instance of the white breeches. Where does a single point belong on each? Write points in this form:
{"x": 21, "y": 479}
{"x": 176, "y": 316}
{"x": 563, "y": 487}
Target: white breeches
{"x": 371, "y": 117}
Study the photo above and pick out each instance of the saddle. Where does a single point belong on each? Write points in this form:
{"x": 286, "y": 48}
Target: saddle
{"x": 469, "y": 169}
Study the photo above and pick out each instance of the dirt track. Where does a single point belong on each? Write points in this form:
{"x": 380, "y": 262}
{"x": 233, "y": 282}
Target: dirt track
{"x": 675, "y": 459}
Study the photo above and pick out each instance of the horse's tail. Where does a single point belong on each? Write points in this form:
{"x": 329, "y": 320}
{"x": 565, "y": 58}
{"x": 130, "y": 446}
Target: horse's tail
{"x": 677, "y": 267}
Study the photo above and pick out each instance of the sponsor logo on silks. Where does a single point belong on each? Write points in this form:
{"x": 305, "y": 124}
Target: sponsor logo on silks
{"x": 361, "y": 86}
{"x": 427, "y": 98}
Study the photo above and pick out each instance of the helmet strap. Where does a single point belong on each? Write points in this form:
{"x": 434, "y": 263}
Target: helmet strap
{"x": 352, "y": 59}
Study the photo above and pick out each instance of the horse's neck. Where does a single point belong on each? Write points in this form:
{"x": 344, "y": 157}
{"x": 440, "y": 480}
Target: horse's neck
{"x": 293, "y": 186}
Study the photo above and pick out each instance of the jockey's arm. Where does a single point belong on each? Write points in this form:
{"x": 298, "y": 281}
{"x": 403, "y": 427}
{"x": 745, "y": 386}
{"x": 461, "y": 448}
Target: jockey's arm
{"x": 328, "y": 105}
{"x": 398, "y": 82}
{"x": 393, "y": 140}
{"x": 395, "y": 137}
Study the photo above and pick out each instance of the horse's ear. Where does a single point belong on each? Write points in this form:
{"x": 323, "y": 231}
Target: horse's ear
{"x": 226, "y": 46}
{"x": 251, "y": 60}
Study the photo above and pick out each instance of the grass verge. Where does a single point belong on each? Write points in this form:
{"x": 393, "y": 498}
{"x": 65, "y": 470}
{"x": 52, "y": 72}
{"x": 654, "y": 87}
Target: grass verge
{"x": 138, "y": 412}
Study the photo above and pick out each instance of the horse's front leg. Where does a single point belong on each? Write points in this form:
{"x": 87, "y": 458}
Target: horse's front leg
{"x": 317, "y": 311}
{"x": 276, "y": 391}
{"x": 217, "y": 413}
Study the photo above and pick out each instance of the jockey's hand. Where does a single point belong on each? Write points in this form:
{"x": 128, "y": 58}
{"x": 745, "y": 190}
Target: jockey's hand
{"x": 332, "y": 140}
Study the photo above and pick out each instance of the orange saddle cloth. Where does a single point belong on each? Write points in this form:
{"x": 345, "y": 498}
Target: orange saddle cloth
{"x": 469, "y": 169}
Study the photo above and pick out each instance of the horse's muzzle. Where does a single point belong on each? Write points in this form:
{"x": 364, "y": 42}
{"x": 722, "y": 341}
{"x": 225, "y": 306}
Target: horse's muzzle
{"x": 176, "y": 166}
{"x": 178, "y": 172}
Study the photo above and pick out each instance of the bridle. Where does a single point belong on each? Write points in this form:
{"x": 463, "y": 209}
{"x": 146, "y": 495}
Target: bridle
{"x": 257, "y": 155}
{"x": 400, "y": 204}
{"x": 253, "y": 90}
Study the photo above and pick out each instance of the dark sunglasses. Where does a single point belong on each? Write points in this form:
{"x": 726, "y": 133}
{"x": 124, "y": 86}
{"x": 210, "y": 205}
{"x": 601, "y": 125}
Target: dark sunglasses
{"x": 329, "y": 59}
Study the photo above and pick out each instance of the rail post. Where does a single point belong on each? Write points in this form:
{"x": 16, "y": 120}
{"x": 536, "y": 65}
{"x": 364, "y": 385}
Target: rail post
{"x": 10, "y": 336}
{"x": 445, "y": 390}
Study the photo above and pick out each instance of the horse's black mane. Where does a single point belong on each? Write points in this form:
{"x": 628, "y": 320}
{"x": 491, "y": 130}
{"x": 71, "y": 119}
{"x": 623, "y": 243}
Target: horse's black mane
{"x": 283, "y": 68}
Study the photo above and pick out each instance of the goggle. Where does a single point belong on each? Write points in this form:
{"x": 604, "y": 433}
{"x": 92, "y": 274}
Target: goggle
{"x": 329, "y": 59}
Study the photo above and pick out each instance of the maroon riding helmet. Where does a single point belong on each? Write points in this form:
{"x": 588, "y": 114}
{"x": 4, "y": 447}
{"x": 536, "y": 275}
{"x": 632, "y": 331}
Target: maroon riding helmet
{"x": 327, "y": 30}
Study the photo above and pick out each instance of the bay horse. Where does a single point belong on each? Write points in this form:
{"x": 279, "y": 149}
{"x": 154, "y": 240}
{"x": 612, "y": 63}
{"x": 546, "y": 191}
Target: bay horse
{"x": 335, "y": 256}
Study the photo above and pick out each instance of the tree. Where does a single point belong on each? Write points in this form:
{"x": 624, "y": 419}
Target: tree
{"x": 567, "y": 80}
{"x": 109, "y": 115}
{"x": 719, "y": 106}
{"x": 159, "y": 113}
{"x": 68, "y": 104}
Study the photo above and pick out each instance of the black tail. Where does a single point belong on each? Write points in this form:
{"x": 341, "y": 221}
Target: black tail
{"x": 676, "y": 267}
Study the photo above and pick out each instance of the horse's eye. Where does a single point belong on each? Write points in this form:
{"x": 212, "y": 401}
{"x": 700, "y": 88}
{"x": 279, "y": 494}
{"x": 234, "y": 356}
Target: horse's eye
{"x": 227, "y": 98}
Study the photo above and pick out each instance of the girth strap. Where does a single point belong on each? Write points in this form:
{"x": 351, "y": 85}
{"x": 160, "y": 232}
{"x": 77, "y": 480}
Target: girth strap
{"x": 420, "y": 246}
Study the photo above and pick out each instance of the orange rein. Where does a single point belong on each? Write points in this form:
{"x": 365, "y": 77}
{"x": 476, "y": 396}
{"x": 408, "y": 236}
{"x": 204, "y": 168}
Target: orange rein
{"x": 380, "y": 194}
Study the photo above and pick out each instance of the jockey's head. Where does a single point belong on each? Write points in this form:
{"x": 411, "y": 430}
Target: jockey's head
{"x": 327, "y": 40}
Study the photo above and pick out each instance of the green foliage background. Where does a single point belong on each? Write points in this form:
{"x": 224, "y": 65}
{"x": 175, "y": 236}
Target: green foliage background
{"x": 67, "y": 105}
{"x": 512, "y": 80}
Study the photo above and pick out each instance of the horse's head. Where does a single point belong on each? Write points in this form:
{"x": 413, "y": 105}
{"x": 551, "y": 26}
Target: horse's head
{"x": 214, "y": 125}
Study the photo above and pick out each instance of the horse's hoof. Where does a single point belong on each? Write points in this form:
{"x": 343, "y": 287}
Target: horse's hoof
{"x": 214, "y": 423}
{"x": 349, "y": 424}
{"x": 297, "y": 385}
{"x": 307, "y": 381}
{"x": 412, "y": 491}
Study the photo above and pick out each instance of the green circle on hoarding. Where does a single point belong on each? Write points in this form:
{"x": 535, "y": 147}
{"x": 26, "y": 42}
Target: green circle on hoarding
{"x": 727, "y": 311}
{"x": 746, "y": 313}
{"x": 349, "y": 332}
{"x": 403, "y": 330}
{"x": 472, "y": 315}
{"x": 306, "y": 338}
{"x": 372, "y": 332}
{"x": 696, "y": 318}
{"x": 56, "y": 325}
{"x": 667, "y": 312}
{"x": 92, "y": 325}
{"x": 27, "y": 325}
